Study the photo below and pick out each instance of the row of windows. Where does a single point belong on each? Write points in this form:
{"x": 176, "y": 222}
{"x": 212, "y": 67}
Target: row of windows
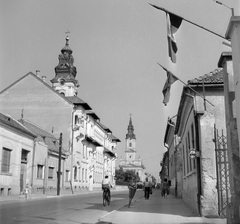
{"x": 97, "y": 177}
{"x": 189, "y": 164}
{"x": 78, "y": 174}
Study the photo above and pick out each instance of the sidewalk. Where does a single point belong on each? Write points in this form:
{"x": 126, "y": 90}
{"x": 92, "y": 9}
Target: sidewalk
{"x": 157, "y": 210}
{"x": 53, "y": 193}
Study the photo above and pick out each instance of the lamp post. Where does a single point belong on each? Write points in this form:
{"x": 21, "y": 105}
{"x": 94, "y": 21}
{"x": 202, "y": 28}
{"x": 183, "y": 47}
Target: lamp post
{"x": 220, "y": 3}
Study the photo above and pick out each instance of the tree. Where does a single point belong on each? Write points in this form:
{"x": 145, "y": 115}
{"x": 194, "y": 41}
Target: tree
{"x": 120, "y": 174}
{"x": 126, "y": 175}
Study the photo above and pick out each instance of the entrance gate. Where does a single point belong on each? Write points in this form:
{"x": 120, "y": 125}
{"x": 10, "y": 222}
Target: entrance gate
{"x": 222, "y": 170}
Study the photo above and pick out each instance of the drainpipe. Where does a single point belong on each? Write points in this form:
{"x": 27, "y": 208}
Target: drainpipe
{"x": 175, "y": 161}
{"x": 71, "y": 179}
{"x": 33, "y": 160}
{"x": 198, "y": 160}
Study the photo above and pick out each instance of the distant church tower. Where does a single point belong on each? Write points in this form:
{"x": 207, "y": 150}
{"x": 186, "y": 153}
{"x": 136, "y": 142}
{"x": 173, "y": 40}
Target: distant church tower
{"x": 130, "y": 162}
{"x": 130, "y": 147}
{"x": 65, "y": 73}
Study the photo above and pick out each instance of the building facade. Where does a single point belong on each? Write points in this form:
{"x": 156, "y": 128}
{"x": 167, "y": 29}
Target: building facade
{"x": 191, "y": 161}
{"x": 201, "y": 109}
{"x": 88, "y": 143}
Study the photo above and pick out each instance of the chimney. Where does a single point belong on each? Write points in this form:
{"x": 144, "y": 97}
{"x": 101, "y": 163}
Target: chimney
{"x": 44, "y": 78}
{"x": 37, "y": 73}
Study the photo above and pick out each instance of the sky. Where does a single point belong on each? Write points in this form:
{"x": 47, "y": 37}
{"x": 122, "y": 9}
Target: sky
{"x": 116, "y": 47}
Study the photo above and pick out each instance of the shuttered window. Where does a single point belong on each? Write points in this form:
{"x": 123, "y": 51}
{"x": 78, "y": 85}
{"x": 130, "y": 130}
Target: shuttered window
{"x": 67, "y": 175}
{"x": 50, "y": 173}
{"x": 40, "y": 171}
{"x": 6, "y": 156}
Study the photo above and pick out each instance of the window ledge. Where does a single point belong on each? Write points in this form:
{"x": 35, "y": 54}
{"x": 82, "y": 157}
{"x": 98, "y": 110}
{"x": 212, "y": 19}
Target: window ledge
{"x": 6, "y": 174}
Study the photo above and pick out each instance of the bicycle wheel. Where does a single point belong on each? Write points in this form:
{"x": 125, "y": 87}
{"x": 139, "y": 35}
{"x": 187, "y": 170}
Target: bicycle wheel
{"x": 109, "y": 198}
{"x": 104, "y": 198}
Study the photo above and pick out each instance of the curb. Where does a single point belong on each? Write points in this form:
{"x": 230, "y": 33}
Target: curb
{"x": 44, "y": 196}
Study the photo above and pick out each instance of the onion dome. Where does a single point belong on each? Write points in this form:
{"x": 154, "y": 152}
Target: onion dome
{"x": 67, "y": 48}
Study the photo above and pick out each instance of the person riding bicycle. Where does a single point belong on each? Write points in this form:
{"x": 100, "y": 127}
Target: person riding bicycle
{"x": 106, "y": 185}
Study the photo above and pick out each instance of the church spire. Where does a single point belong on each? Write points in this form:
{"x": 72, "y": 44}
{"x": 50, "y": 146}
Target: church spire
{"x": 130, "y": 134}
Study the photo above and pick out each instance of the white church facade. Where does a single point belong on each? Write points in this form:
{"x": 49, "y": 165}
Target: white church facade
{"x": 130, "y": 162}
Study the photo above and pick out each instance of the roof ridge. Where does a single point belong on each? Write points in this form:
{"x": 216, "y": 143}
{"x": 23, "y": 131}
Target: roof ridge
{"x": 36, "y": 125}
{"x": 215, "y": 76}
{"x": 19, "y": 123}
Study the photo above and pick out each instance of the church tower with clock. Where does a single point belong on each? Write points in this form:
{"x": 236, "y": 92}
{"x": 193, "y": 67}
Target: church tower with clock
{"x": 130, "y": 147}
{"x": 130, "y": 162}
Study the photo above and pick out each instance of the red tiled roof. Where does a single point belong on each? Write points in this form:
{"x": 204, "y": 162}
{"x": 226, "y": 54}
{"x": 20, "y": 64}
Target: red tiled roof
{"x": 113, "y": 138}
{"x": 49, "y": 139}
{"x": 11, "y": 122}
{"x": 76, "y": 100}
{"x": 214, "y": 77}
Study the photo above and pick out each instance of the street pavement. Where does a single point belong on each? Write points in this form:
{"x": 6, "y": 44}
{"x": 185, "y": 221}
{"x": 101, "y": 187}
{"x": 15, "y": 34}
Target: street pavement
{"x": 156, "y": 210}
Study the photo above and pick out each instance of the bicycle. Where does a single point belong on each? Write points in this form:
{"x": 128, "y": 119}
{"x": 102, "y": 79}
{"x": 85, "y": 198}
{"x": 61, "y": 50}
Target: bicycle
{"x": 106, "y": 196}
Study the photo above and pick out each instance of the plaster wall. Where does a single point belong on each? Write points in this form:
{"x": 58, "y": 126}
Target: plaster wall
{"x": 188, "y": 168}
{"x": 40, "y": 105}
{"x": 209, "y": 198}
{"x": 10, "y": 182}
{"x": 41, "y": 152}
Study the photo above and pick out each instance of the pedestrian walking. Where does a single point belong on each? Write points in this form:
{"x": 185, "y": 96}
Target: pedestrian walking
{"x": 165, "y": 187}
{"x": 132, "y": 186}
{"x": 147, "y": 188}
{"x": 27, "y": 191}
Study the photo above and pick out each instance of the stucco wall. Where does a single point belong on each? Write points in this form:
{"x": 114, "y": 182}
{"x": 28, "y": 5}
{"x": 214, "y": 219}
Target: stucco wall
{"x": 209, "y": 198}
{"x": 189, "y": 193}
{"x": 40, "y": 105}
{"x": 10, "y": 183}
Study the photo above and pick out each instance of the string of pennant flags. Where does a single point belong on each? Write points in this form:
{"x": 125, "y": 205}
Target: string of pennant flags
{"x": 173, "y": 23}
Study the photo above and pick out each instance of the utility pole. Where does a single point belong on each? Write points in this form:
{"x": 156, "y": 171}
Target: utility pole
{"x": 59, "y": 164}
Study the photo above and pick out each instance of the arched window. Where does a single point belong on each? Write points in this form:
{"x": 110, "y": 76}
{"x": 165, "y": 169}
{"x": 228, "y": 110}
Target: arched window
{"x": 130, "y": 144}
